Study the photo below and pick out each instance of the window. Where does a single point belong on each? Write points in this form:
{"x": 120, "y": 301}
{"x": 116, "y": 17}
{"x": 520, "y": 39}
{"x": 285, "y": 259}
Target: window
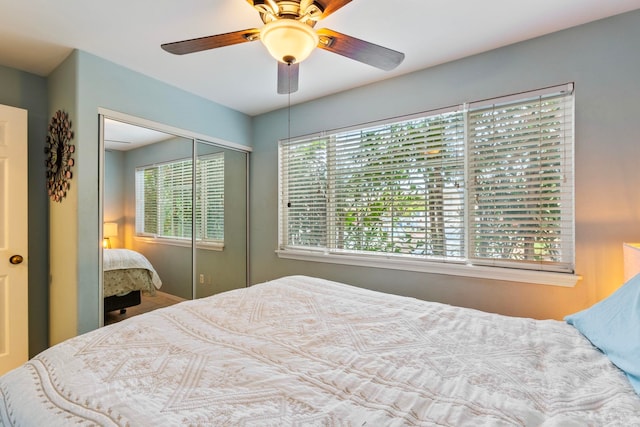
{"x": 164, "y": 200}
{"x": 486, "y": 184}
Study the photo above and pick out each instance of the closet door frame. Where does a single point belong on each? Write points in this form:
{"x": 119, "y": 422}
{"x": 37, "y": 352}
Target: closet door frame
{"x": 178, "y": 132}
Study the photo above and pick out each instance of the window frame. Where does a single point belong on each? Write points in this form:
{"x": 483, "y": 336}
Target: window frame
{"x": 466, "y": 267}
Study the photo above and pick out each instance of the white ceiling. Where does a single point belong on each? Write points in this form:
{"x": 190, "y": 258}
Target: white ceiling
{"x": 122, "y": 136}
{"x": 36, "y": 35}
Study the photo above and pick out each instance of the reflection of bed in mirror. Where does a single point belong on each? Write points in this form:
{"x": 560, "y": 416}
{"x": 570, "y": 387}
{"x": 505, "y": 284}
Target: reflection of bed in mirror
{"x": 127, "y": 274}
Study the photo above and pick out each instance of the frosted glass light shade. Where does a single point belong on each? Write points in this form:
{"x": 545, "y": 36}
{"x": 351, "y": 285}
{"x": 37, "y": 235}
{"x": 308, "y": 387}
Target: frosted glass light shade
{"x": 288, "y": 40}
{"x": 631, "y": 252}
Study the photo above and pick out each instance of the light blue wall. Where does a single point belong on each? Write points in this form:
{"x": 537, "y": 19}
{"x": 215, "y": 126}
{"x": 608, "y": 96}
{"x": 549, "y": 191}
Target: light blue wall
{"x": 601, "y": 58}
{"x": 28, "y": 91}
{"x": 100, "y": 83}
{"x": 113, "y": 189}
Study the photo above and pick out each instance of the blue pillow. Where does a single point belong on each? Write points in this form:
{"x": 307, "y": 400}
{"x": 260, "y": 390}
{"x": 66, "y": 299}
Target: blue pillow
{"x": 613, "y": 325}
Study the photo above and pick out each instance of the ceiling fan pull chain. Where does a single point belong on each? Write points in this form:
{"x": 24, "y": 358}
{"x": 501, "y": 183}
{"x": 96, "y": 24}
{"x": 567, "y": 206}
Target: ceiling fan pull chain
{"x": 289, "y": 102}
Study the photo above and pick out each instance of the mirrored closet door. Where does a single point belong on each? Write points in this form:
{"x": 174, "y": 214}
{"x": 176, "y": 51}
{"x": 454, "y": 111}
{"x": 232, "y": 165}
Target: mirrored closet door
{"x": 220, "y": 219}
{"x": 174, "y": 217}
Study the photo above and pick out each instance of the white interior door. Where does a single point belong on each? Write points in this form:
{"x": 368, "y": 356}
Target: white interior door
{"x": 14, "y": 332}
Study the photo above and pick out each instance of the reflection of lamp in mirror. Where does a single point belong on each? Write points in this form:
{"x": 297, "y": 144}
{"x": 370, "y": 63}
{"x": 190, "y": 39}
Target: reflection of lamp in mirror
{"x": 631, "y": 252}
{"x": 110, "y": 230}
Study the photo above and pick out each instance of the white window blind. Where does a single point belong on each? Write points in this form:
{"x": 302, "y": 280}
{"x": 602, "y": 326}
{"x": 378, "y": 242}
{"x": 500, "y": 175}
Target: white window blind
{"x": 210, "y": 197}
{"x": 488, "y": 185}
{"x": 164, "y": 199}
{"x": 303, "y": 198}
{"x": 521, "y": 183}
{"x": 394, "y": 189}
{"x": 398, "y": 188}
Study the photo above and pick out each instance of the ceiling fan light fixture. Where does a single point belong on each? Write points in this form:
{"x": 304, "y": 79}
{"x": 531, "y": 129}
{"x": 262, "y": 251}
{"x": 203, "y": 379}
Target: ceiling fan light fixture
{"x": 289, "y": 40}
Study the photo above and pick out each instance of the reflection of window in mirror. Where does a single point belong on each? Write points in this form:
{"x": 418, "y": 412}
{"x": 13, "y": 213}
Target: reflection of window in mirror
{"x": 164, "y": 201}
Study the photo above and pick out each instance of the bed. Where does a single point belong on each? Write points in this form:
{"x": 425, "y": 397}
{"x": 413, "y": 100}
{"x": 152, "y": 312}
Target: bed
{"x": 127, "y": 274}
{"x": 310, "y": 352}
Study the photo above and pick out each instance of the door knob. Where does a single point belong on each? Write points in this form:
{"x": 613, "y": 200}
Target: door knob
{"x": 16, "y": 259}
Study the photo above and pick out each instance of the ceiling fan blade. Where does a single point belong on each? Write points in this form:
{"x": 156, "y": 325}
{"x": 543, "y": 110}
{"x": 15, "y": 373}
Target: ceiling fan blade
{"x": 330, "y": 6}
{"x": 212, "y": 42}
{"x": 359, "y": 50}
{"x": 288, "y": 77}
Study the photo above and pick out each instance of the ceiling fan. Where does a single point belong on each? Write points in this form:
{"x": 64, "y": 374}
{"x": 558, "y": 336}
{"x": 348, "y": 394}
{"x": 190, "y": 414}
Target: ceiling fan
{"x": 290, "y": 38}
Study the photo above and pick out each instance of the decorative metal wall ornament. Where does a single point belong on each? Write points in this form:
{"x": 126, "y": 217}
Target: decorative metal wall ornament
{"x": 59, "y": 160}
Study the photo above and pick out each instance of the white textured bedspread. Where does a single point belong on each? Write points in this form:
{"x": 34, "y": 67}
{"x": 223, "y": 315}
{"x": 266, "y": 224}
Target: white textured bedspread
{"x": 308, "y": 352}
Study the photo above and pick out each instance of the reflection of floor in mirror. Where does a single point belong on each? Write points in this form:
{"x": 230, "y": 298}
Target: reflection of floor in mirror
{"x": 148, "y": 303}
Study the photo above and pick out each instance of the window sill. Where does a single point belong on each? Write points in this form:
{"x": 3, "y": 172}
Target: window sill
{"x": 209, "y": 246}
{"x": 452, "y": 269}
